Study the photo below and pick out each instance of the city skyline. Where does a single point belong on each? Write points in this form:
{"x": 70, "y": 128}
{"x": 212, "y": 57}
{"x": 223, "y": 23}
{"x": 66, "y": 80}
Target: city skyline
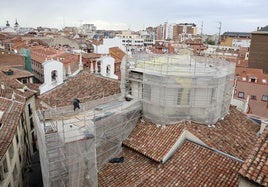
{"x": 238, "y": 15}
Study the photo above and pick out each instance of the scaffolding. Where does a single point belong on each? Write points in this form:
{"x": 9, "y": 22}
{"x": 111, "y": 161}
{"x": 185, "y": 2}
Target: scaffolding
{"x": 173, "y": 88}
{"x": 73, "y": 147}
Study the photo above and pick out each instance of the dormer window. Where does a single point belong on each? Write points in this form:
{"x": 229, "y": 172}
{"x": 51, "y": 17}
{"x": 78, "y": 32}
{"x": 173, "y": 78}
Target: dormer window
{"x": 253, "y": 79}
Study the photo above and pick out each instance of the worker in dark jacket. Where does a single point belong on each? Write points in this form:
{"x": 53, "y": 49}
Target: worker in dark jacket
{"x": 76, "y": 103}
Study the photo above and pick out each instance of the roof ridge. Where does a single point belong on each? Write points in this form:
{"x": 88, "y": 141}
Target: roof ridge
{"x": 216, "y": 151}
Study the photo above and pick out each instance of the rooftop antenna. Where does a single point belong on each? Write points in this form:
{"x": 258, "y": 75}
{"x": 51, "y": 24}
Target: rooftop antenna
{"x": 201, "y": 31}
{"x": 219, "y": 39}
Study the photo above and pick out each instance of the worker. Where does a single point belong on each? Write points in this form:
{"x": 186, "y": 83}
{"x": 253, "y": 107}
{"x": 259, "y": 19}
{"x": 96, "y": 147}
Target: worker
{"x": 76, "y": 103}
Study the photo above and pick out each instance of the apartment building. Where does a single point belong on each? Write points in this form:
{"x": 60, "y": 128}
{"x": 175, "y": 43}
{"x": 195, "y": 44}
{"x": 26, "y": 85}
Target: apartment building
{"x": 258, "y": 55}
{"x": 161, "y": 31}
{"x": 165, "y": 31}
{"x": 17, "y": 131}
{"x": 252, "y": 87}
{"x": 235, "y": 39}
{"x": 183, "y": 31}
{"x": 130, "y": 39}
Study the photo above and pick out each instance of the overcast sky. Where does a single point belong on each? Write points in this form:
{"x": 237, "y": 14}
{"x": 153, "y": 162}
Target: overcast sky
{"x": 235, "y": 15}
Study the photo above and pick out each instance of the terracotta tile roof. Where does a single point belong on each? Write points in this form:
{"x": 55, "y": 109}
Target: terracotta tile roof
{"x": 235, "y": 135}
{"x": 155, "y": 51}
{"x": 134, "y": 170}
{"x": 10, "y": 120}
{"x": 10, "y": 60}
{"x": 41, "y": 54}
{"x": 239, "y": 136}
{"x": 33, "y": 86}
{"x": 194, "y": 165}
{"x": 17, "y": 73}
{"x": 12, "y": 85}
{"x": 191, "y": 165}
{"x": 255, "y": 167}
{"x": 91, "y": 55}
{"x": 84, "y": 86}
{"x": 117, "y": 54}
{"x": 153, "y": 142}
{"x": 19, "y": 44}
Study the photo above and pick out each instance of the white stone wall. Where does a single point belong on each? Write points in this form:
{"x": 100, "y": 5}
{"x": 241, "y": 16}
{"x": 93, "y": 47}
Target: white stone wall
{"x": 50, "y": 66}
{"x": 107, "y": 67}
{"x": 107, "y": 44}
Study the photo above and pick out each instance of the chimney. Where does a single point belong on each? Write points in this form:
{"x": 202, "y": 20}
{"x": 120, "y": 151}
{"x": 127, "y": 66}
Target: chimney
{"x": 246, "y": 104}
{"x": 80, "y": 62}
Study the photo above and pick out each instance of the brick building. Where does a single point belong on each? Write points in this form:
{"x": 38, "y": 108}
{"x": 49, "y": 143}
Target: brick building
{"x": 258, "y": 55}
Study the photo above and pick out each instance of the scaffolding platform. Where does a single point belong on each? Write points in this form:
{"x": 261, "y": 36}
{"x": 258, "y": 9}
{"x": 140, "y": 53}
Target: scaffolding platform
{"x": 75, "y": 145}
{"x": 173, "y": 88}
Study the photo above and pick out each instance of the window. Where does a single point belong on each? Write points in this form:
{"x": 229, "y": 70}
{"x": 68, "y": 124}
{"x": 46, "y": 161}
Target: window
{"x": 17, "y": 138}
{"x": 253, "y": 97}
{"x": 241, "y": 94}
{"x": 5, "y": 165}
{"x": 252, "y": 80}
{"x": 31, "y": 123}
{"x": 19, "y": 157}
{"x": 264, "y": 98}
{"x": 264, "y": 81}
{"x": 34, "y": 142}
{"x": 108, "y": 70}
{"x": 33, "y": 137}
{"x": 244, "y": 78}
{"x": 30, "y": 109}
